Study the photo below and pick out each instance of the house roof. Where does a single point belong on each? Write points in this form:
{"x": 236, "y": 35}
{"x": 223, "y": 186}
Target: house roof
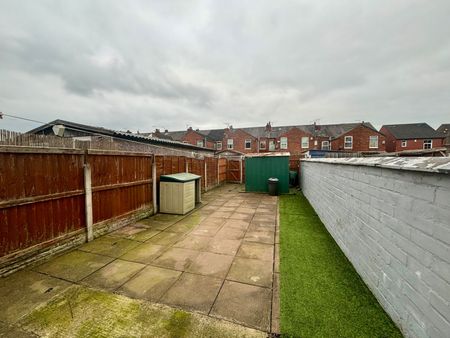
{"x": 118, "y": 134}
{"x": 412, "y": 131}
{"x": 444, "y": 129}
{"x": 324, "y": 130}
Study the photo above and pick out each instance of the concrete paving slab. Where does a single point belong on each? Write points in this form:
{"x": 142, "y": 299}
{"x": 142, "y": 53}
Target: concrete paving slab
{"x": 211, "y": 264}
{"x": 224, "y": 246}
{"x": 176, "y": 258}
{"x": 245, "y": 304}
{"x": 113, "y": 275}
{"x": 127, "y": 231}
{"x": 236, "y": 223}
{"x": 151, "y": 223}
{"x": 260, "y": 236}
{"x": 265, "y": 218}
{"x": 144, "y": 235}
{"x": 206, "y": 230}
{"x": 211, "y": 220}
{"x": 22, "y": 292}
{"x": 230, "y": 233}
{"x": 242, "y": 216}
{"x": 246, "y": 210}
{"x": 109, "y": 246}
{"x": 222, "y": 214}
{"x": 102, "y": 314}
{"x": 74, "y": 266}
{"x": 166, "y": 238}
{"x": 182, "y": 228}
{"x": 226, "y": 209}
{"x": 262, "y": 225}
{"x": 193, "y": 242}
{"x": 150, "y": 283}
{"x": 256, "y": 251}
{"x": 193, "y": 292}
{"x": 144, "y": 253}
{"x": 13, "y": 331}
{"x": 251, "y": 271}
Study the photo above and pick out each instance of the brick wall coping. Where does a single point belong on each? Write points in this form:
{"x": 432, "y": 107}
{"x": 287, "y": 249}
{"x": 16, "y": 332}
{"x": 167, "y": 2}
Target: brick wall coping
{"x": 425, "y": 164}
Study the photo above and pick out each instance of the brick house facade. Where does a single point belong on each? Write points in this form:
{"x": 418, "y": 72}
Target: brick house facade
{"x": 239, "y": 140}
{"x": 360, "y": 139}
{"x": 414, "y": 136}
{"x": 196, "y": 138}
{"x": 297, "y": 141}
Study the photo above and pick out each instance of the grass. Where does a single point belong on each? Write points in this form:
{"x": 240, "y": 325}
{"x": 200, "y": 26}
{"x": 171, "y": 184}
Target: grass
{"x": 321, "y": 293}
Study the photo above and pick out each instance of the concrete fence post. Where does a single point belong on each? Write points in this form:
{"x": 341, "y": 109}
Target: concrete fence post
{"x": 154, "y": 186}
{"x": 206, "y": 175}
{"x": 88, "y": 202}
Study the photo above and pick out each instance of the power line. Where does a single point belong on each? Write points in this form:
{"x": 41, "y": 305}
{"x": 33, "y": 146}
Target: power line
{"x": 20, "y": 118}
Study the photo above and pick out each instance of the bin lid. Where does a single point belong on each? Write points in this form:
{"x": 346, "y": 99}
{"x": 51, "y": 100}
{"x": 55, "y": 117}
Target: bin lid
{"x": 273, "y": 179}
{"x": 181, "y": 177}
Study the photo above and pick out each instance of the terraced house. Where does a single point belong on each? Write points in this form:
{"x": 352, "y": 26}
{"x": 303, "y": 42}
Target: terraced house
{"x": 411, "y": 136}
{"x": 296, "y": 139}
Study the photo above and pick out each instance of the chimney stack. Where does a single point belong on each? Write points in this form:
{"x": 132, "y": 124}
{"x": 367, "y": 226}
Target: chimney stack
{"x": 268, "y": 126}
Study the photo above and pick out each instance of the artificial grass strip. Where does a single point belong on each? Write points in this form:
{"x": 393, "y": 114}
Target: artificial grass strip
{"x": 321, "y": 293}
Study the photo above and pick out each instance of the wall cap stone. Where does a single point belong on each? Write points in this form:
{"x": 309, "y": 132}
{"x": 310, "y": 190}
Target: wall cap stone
{"x": 439, "y": 165}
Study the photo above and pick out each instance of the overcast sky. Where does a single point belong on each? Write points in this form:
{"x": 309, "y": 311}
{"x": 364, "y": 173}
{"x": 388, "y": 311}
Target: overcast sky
{"x": 142, "y": 65}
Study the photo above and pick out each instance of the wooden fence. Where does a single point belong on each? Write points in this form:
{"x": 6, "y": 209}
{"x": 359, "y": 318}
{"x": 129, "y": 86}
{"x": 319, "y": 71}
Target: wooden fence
{"x": 53, "y": 198}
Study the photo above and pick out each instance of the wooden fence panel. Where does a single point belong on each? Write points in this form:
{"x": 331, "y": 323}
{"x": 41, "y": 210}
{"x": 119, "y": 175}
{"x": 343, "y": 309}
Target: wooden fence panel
{"x": 222, "y": 170}
{"x": 120, "y": 184}
{"x": 41, "y": 198}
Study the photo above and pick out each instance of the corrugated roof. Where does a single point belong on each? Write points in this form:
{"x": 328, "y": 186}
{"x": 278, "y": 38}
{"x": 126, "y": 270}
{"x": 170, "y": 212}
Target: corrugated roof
{"x": 119, "y": 134}
{"x": 412, "y": 131}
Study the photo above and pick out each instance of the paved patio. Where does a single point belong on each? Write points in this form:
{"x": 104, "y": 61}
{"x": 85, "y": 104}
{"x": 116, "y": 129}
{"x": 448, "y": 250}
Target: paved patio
{"x": 221, "y": 260}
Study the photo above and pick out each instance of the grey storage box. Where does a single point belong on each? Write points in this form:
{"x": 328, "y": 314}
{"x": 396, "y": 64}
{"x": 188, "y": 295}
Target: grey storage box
{"x": 178, "y": 193}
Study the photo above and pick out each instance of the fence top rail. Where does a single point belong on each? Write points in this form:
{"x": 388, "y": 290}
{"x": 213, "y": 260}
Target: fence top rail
{"x": 52, "y": 150}
{"x": 39, "y": 150}
{"x": 439, "y": 165}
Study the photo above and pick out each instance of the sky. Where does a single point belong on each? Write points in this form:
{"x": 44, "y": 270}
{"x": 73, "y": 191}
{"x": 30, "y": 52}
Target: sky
{"x": 141, "y": 65}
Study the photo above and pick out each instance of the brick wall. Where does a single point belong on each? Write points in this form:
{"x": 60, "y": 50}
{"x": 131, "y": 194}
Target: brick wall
{"x": 393, "y": 225}
{"x": 360, "y": 136}
{"x": 294, "y": 136}
{"x": 239, "y": 136}
{"x": 192, "y": 137}
{"x": 392, "y": 144}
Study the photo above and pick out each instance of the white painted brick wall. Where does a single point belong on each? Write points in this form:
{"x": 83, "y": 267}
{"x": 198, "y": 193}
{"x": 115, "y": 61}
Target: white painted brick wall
{"x": 394, "y": 226}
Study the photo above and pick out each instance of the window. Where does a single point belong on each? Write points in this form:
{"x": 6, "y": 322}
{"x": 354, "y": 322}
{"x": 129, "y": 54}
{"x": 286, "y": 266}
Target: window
{"x": 427, "y": 144}
{"x": 373, "y": 142}
{"x": 305, "y": 142}
{"x": 283, "y": 143}
{"x": 219, "y": 145}
{"x": 325, "y": 145}
{"x": 271, "y": 145}
{"x": 262, "y": 144}
{"x": 404, "y": 144}
{"x": 248, "y": 144}
{"x": 315, "y": 142}
{"x": 230, "y": 143}
{"x": 348, "y": 142}
{"x": 200, "y": 143}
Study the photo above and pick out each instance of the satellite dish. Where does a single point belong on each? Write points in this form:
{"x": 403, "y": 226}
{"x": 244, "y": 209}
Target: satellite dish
{"x": 58, "y": 129}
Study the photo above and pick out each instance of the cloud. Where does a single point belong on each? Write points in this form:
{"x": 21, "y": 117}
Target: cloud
{"x": 204, "y": 63}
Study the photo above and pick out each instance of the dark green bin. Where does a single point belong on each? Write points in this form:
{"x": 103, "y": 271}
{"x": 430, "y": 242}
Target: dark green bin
{"x": 258, "y": 169}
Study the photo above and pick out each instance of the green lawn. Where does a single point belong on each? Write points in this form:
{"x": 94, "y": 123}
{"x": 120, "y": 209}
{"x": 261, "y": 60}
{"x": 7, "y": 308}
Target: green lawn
{"x": 321, "y": 293}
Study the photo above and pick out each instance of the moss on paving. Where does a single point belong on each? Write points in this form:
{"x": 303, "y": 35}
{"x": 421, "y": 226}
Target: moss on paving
{"x": 86, "y": 312}
{"x": 321, "y": 293}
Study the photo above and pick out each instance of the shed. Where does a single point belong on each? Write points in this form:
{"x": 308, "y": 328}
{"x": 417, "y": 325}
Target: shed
{"x": 179, "y": 192}
{"x": 262, "y": 166}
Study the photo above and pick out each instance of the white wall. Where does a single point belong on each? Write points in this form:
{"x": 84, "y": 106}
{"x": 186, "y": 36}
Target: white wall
{"x": 394, "y": 226}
